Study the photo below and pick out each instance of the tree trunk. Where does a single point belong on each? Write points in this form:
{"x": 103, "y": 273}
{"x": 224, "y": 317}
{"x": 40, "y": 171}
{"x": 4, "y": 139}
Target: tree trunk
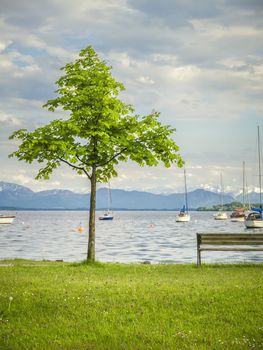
{"x": 92, "y": 210}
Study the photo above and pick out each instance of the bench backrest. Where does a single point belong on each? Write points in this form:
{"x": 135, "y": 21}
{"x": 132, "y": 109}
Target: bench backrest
{"x": 230, "y": 238}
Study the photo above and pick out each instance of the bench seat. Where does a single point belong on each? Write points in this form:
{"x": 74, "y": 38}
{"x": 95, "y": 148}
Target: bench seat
{"x": 228, "y": 242}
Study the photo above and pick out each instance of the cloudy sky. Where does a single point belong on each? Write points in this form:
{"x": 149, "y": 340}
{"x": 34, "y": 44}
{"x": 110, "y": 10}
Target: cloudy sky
{"x": 199, "y": 63}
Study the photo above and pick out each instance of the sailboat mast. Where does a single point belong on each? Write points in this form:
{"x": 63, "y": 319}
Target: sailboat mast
{"x": 185, "y": 191}
{"x": 243, "y": 184}
{"x": 109, "y": 197}
{"x": 259, "y": 167}
{"x": 222, "y": 191}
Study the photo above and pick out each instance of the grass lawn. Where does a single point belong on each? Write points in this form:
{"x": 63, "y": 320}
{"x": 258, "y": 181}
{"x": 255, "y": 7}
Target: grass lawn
{"x": 56, "y": 305}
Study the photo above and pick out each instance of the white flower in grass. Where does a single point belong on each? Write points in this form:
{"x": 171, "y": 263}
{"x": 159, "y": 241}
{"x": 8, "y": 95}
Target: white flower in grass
{"x": 10, "y": 301}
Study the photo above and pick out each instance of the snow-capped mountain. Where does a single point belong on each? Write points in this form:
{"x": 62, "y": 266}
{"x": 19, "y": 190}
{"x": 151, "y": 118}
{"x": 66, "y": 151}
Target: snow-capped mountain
{"x": 20, "y": 197}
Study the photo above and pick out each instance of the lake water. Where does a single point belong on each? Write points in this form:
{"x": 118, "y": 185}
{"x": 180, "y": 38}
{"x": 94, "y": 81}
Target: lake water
{"x": 133, "y": 236}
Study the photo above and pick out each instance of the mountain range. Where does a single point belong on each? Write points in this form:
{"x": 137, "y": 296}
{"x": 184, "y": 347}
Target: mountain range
{"x": 13, "y": 196}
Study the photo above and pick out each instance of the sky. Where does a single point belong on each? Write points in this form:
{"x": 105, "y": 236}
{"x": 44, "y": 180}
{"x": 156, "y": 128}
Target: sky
{"x": 199, "y": 63}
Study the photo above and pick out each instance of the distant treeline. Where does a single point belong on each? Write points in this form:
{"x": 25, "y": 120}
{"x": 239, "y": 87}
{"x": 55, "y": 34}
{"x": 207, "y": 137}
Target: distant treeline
{"x": 227, "y": 207}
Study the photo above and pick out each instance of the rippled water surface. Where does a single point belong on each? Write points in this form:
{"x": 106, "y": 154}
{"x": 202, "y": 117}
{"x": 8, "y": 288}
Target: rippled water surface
{"x": 130, "y": 237}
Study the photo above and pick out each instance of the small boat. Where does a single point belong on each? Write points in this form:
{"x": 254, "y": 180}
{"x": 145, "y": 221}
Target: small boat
{"x": 6, "y": 219}
{"x": 108, "y": 215}
{"x": 183, "y": 215}
{"x": 255, "y": 218}
{"x": 238, "y": 215}
{"x": 221, "y": 215}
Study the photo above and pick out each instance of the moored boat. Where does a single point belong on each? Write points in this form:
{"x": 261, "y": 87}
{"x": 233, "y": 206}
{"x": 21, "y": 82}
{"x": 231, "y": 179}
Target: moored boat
{"x": 255, "y": 218}
{"x": 183, "y": 215}
{"x": 6, "y": 219}
{"x": 108, "y": 215}
{"x": 238, "y": 215}
{"x": 221, "y": 215}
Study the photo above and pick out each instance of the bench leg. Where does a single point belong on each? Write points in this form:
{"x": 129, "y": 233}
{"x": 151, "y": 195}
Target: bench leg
{"x": 198, "y": 257}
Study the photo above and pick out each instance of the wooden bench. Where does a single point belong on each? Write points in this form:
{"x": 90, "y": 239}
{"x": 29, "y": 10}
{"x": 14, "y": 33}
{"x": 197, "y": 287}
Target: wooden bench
{"x": 241, "y": 242}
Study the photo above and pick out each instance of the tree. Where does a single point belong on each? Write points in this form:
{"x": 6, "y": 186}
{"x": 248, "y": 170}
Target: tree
{"x": 99, "y": 132}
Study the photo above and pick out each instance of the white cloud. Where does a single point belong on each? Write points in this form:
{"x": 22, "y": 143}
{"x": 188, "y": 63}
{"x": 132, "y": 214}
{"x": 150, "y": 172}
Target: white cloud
{"x": 17, "y": 65}
{"x": 165, "y": 58}
{"x": 9, "y": 119}
{"x": 25, "y": 71}
{"x": 121, "y": 58}
{"x": 233, "y": 62}
{"x": 203, "y": 70}
{"x": 23, "y": 179}
{"x": 34, "y": 41}
{"x": 211, "y": 30}
{"x": 4, "y": 45}
{"x": 185, "y": 73}
{"x": 145, "y": 80}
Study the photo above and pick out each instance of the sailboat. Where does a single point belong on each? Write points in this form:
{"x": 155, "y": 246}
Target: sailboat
{"x": 6, "y": 219}
{"x": 239, "y": 214}
{"x": 255, "y": 218}
{"x": 108, "y": 214}
{"x": 183, "y": 215}
{"x": 221, "y": 215}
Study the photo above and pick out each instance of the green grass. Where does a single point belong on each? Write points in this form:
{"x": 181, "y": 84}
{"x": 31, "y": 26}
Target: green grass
{"x": 48, "y": 305}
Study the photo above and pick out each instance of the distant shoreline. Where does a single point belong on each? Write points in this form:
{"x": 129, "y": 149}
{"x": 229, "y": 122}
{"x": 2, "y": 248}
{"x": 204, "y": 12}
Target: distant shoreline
{"x": 99, "y": 209}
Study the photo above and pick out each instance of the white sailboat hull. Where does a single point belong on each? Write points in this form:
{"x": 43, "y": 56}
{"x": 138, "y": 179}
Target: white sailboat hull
{"x": 107, "y": 216}
{"x": 183, "y": 218}
{"x": 220, "y": 216}
{"x": 254, "y": 223}
{"x": 6, "y": 219}
{"x": 241, "y": 219}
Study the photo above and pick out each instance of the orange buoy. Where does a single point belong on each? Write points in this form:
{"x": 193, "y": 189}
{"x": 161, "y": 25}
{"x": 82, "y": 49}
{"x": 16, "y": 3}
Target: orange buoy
{"x": 80, "y": 228}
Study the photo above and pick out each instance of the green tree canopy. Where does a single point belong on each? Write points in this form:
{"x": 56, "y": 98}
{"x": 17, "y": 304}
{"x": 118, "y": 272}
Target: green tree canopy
{"x": 99, "y": 132}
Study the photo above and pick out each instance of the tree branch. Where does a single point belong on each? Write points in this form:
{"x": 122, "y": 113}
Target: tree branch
{"x": 75, "y": 166}
{"x": 113, "y": 157}
{"x": 124, "y": 149}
